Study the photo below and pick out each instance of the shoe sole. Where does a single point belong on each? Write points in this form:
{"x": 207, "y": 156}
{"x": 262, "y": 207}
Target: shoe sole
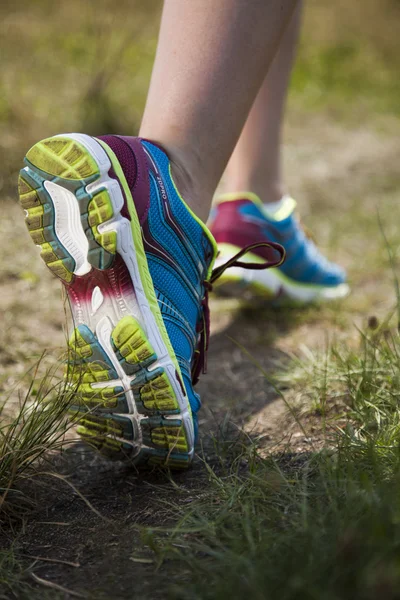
{"x": 130, "y": 398}
{"x": 270, "y": 284}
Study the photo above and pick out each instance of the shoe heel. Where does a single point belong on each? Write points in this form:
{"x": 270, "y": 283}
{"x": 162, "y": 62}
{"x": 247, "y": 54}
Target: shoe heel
{"x": 58, "y": 191}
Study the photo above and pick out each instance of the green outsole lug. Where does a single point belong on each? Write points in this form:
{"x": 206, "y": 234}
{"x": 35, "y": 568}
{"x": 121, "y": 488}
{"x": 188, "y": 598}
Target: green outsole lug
{"x": 164, "y": 441}
{"x": 39, "y": 221}
{"x": 62, "y": 157}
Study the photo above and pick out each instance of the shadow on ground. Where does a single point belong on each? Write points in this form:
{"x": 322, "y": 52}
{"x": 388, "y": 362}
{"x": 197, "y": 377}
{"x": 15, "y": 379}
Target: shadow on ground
{"x": 238, "y": 356}
{"x": 89, "y": 511}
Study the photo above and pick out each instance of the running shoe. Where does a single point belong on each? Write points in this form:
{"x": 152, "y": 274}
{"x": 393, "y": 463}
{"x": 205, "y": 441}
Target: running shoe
{"x": 305, "y": 276}
{"x": 136, "y": 264}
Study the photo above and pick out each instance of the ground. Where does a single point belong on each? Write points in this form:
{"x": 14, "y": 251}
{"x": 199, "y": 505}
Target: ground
{"x": 342, "y": 177}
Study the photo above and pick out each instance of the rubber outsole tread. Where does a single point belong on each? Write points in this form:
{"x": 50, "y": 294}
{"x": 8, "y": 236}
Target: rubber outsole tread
{"x": 94, "y": 406}
{"x": 96, "y": 209}
{"x": 62, "y": 157}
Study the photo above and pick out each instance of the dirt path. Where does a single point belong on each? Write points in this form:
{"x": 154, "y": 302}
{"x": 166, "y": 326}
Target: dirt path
{"x": 341, "y": 176}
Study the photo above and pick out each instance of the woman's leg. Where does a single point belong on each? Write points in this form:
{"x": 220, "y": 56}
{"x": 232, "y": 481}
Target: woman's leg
{"x": 255, "y": 164}
{"x": 254, "y": 174}
{"x": 211, "y": 60}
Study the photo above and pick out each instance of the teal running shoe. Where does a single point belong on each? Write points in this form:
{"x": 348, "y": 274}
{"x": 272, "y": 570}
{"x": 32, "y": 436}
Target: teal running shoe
{"x": 136, "y": 264}
{"x": 306, "y": 275}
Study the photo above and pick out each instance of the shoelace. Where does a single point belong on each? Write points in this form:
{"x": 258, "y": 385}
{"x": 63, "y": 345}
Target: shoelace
{"x": 200, "y": 358}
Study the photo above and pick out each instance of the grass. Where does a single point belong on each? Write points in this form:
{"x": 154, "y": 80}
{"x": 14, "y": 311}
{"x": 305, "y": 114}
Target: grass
{"x": 319, "y": 525}
{"x": 316, "y": 525}
{"x": 346, "y": 62}
{"x": 14, "y": 580}
{"x": 91, "y": 76}
{"x": 29, "y": 433}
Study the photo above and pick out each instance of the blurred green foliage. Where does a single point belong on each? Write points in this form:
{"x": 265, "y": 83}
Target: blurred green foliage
{"x": 71, "y": 66}
{"x": 348, "y": 58}
{"x": 80, "y": 65}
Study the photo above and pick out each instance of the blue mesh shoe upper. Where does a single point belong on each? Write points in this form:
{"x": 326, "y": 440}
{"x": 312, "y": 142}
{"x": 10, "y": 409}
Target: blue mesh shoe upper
{"x": 179, "y": 253}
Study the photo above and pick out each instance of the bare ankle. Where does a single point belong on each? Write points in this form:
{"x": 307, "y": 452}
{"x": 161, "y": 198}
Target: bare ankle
{"x": 268, "y": 191}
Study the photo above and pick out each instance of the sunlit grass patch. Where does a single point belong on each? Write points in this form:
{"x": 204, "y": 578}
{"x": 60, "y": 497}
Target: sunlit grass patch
{"x": 313, "y": 525}
{"x": 28, "y": 432}
{"x": 321, "y": 526}
{"x": 348, "y": 62}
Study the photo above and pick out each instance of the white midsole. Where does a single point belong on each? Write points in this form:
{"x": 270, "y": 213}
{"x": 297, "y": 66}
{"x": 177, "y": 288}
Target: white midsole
{"x": 275, "y": 284}
{"x": 68, "y": 226}
{"x": 135, "y": 304}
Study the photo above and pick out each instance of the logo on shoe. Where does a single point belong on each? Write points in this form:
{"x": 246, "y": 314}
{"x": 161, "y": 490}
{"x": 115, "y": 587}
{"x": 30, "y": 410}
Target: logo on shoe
{"x": 161, "y": 186}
